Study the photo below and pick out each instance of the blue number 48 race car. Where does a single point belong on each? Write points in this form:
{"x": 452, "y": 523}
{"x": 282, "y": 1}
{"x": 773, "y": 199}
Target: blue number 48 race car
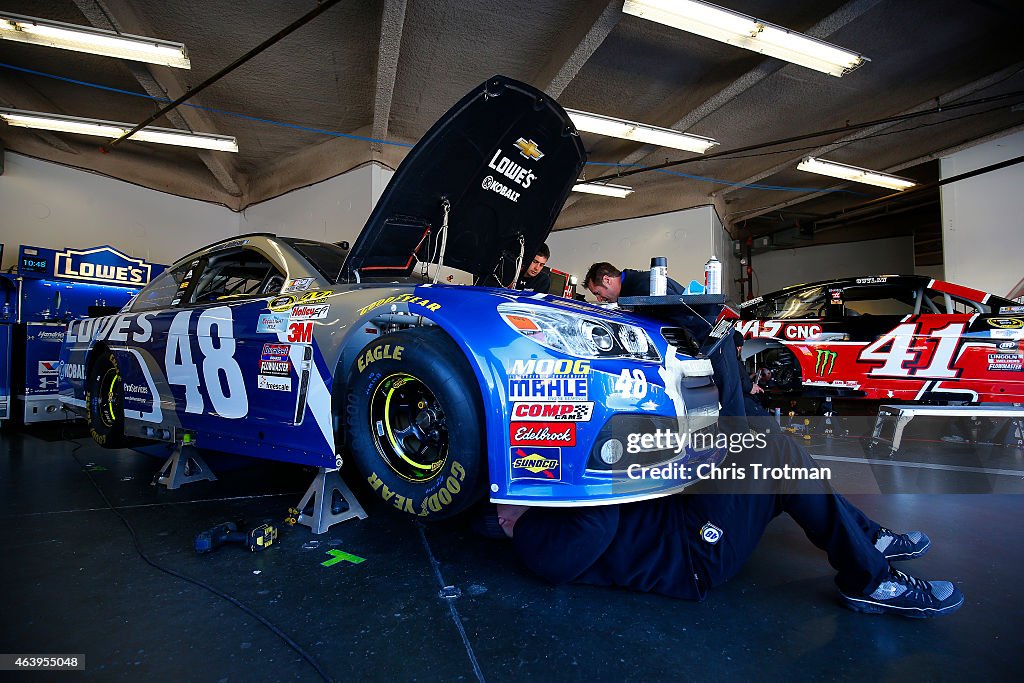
{"x": 315, "y": 353}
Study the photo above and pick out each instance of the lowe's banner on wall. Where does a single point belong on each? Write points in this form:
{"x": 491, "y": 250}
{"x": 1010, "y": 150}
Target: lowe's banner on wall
{"x": 97, "y": 265}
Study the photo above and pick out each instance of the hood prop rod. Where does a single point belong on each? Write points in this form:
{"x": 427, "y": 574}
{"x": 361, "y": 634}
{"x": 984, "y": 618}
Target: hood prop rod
{"x": 446, "y": 207}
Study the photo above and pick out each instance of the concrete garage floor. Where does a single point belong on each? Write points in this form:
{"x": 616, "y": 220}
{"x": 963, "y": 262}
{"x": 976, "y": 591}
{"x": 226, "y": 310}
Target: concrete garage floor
{"x": 74, "y": 583}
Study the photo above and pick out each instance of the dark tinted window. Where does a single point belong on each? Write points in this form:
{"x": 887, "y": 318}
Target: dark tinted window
{"x": 326, "y": 258}
{"x": 805, "y": 303}
{"x": 160, "y": 292}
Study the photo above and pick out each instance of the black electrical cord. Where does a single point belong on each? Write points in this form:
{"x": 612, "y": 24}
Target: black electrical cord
{"x": 196, "y": 582}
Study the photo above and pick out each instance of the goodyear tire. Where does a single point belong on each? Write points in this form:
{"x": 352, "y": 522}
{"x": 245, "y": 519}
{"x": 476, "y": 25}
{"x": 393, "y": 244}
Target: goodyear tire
{"x": 104, "y": 397}
{"x": 415, "y": 423}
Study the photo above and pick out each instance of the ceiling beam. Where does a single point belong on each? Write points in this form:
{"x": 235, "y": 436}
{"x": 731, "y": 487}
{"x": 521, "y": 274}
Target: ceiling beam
{"x": 391, "y": 24}
{"x": 945, "y": 99}
{"x": 823, "y": 29}
{"x": 581, "y": 42}
{"x": 117, "y": 15}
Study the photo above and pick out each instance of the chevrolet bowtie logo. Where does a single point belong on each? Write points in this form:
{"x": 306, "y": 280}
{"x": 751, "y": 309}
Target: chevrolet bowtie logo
{"x": 529, "y": 149}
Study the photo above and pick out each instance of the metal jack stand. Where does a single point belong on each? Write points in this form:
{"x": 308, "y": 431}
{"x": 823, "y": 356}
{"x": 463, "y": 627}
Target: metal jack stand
{"x": 184, "y": 467}
{"x": 321, "y": 497}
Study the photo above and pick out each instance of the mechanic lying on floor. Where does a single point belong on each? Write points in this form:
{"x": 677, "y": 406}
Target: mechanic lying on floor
{"x": 682, "y": 545}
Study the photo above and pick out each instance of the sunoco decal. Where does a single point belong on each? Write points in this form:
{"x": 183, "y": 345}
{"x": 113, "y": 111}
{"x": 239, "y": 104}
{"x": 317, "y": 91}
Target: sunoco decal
{"x": 542, "y": 434}
{"x": 536, "y": 463}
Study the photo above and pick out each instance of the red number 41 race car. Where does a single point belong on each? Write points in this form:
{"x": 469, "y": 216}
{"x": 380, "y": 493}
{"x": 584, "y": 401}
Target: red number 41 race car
{"x": 890, "y": 337}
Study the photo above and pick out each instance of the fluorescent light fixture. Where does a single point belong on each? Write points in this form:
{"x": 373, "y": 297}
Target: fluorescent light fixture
{"x": 741, "y": 30}
{"x": 606, "y": 189}
{"x": 113, "y": 130}
{"x": 860, "y": 175}
{"x": 93, "y": 40}
{"x": 640, "y": 132}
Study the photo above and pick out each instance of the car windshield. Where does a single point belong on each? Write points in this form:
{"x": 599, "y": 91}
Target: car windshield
{"x": 807, "y": 303}
{"x": 326, "y": 258}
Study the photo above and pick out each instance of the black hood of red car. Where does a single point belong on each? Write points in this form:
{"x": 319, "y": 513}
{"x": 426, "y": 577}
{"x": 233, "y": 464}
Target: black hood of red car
{"x": 503, "y": 160}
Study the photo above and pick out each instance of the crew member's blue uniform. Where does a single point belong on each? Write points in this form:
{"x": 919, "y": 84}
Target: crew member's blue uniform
{"x": 658, "y": 545}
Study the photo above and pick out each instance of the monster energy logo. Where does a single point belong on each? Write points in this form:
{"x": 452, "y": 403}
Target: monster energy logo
{"x": 825, "y": 362}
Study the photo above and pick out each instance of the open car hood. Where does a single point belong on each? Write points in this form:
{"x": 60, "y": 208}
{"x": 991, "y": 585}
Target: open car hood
{"x": 504, "y": 159}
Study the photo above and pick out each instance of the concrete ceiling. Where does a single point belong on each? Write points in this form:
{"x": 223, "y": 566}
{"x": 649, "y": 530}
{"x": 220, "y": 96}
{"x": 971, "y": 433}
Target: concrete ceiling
{"x": 386, "y": 69}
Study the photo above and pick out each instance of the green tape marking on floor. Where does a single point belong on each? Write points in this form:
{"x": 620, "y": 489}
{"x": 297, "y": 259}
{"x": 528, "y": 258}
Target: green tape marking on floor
{"x": 341, "y": 556}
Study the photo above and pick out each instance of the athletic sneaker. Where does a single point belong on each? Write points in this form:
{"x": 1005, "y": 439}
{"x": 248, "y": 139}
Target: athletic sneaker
{"x": 901, "y": 546}
{"x": 908, "y": 596}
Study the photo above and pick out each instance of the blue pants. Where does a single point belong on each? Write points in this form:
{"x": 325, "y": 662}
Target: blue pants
{"x": 743, "y": 509}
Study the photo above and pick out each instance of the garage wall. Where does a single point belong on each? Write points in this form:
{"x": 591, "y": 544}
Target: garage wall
{"x": 687, "y": 238}
{"x": 777, "y": 269}
{"x": 331, "y": 211}
{"x": 983, "y": 217}
{"x": 50, "y": 205}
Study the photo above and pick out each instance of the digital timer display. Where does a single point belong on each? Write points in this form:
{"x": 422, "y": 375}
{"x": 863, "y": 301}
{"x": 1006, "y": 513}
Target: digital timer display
{"x": 33, "y": 265}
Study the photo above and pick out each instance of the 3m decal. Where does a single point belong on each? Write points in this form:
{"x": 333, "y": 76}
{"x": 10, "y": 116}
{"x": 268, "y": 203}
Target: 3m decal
{"x": 300, "y": 284}
{"x": 893, "y": 351}
{"x": 1006, "y": 323}
{"x": 529, "y": 149}
{"x": 223, "y": 378}
{"x": 410, "y": 299}
{"x": 310, "y": 312}
{"x": 379, "y": 353}
{"x": 546, "y": 411}
{"x": 300, "y": 333}
{"x": 536, "y": 463}
{"x": 825, "y": 360}
{"x": 542, "y": 434}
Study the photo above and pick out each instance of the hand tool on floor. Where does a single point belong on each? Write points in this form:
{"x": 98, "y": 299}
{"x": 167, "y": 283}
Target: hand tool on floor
{"x": 258, "y": 538}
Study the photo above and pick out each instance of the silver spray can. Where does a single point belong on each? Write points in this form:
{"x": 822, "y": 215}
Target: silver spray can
{"x": 659, "y": 276}
{"x": 713, "y": 276}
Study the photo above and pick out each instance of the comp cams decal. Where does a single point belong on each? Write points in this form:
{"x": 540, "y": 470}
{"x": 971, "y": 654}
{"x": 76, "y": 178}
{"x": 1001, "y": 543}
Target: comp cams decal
{"x": 552, "y": 411}
{"x": 548, "y": 380}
